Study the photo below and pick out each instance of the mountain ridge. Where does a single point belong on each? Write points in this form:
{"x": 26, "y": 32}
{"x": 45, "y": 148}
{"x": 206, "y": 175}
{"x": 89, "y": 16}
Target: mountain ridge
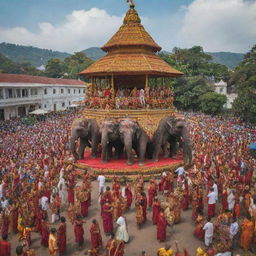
{"x": 38, "y": 57}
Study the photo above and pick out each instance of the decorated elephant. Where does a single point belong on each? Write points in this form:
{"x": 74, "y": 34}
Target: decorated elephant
{"x": 170, "y": 133}
{"x": 110, "y": 139}
{"x": 87, "y": 131}
{"x": 133, "y": 137}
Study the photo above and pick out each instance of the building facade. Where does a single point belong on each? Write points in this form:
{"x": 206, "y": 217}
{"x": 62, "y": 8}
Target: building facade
{"x": 221, "y": 88}
{"x": 21, "y": 94}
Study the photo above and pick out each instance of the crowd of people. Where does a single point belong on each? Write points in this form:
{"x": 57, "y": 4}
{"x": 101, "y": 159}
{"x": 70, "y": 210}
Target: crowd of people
{"x": 149, "y": 98}
{"x": 42, "y": 192}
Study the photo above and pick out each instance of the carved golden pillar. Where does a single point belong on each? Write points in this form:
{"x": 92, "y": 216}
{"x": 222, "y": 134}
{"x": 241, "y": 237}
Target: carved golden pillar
{"x": 112, "y": 86}
{"x": 146, "y": 84}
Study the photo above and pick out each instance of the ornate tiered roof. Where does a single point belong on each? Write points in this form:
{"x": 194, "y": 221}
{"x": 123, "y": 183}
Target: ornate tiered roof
{"x": 131, "y": 51}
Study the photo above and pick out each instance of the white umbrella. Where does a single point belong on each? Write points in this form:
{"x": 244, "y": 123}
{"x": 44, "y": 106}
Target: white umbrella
{"x": 38, "y": 112}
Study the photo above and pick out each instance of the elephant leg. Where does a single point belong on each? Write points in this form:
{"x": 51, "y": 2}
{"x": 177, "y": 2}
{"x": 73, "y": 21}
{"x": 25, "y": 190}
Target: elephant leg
{"x": 81, "y": 149}
{"x": 173, "y": 148}
{"x": 94, "y": 151}
{"x": 142, "y": 152}
{"x": 156, "y": 152}
{"x": 118, "y": 151}
{"x": 165, "y": 150}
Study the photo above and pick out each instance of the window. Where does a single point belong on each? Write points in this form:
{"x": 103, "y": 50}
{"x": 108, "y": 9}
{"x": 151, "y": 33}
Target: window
{"x": 221, "y": 89}
{"x": 45, "y": 91}
{"x": 62, "y": 90}
{"x": 10, "y": 95}
{"x": 18, "y": 93}
{"x": 33, "y": 92}
{"x": 79, "y": 91}
{"x": 74, "y": 90}
{"x": 45, "y": 106}
{"x": 39, "y": 106}
{"x": 68, "y": 90}
{"x": 24, "y": 93}
{"x": 69, "y": 103}
{"x": 1, "y": 93}
{"x": 83, "y": 90}
{"x": 63, "y": 104}
{"x": 54, "y": 91}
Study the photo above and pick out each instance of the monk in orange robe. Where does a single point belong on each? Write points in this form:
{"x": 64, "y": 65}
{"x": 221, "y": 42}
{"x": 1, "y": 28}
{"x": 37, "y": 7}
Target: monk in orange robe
{"x": 247, "y": 233}
{"x": 96, "y": 239}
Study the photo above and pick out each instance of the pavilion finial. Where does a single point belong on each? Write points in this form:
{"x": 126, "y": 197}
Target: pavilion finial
{"x": 131, "y": 3}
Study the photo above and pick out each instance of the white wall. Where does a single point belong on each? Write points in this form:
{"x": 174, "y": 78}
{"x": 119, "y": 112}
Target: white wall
{"x": 46, "y": 97}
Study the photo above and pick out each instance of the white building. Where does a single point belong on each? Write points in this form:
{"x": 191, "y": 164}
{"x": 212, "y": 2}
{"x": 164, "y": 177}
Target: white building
{"x": 21, "y": 94}
{"x": 221, "y": 88}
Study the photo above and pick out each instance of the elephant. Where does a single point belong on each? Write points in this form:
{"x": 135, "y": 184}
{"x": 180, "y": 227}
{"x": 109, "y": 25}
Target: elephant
{"x": 172, "y": 132}
{"x": 133, "y": 137}
{"x": 110, "y": 139}
{"x": 87, "y": 131}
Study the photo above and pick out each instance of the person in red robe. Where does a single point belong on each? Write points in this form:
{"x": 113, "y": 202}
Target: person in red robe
{"x": 115, "y": 247}
{"x": 128, "y": 194}
{"x": 96, "y": 239}
{"x": 14, "y": 217}
{"x": 107, "y": 217}
{"x": 79, "y": 231}
{"x": 151, "y": 193}
{"x": 162, "y": 184}
{"x": 38, "y": 222}
{"x": 161, "y": 226}
{"x": 5, "y": 246}
{"x": 62, "y": 237}
{"x": 144, "y": 205}
{"x": 5, "y": 222}
{"x": 156, "y": 210}
{"x": 224, "y": 200}
{"x": 44, "y": 233}
{"x": 199, "y": 231}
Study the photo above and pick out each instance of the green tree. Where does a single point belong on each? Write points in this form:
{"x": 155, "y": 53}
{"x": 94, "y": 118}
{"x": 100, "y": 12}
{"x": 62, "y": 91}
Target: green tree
{"x": 55, "y": 68}
{"x": 244, "y": 106}
{"x": 77, "y": 63}
{"x": 188, "y": 91}
{"x": 244, "y": 80}
{"x": 212, "y": 103}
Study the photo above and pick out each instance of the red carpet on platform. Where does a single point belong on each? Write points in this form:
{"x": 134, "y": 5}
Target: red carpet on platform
{"x": 121, "y": 163}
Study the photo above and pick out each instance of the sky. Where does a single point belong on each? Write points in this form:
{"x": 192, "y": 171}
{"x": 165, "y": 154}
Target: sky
{"x": 74, "y": 25}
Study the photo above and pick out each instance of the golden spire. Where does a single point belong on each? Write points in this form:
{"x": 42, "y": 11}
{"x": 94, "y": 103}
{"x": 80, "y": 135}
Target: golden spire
{"x": 132, "y": 5}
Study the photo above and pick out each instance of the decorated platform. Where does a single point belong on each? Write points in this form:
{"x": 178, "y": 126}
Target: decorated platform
{"x": 118, "y": 167}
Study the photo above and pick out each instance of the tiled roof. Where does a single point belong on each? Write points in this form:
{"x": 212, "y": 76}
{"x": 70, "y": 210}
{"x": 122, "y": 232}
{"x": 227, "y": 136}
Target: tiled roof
{"x": 131, "y": 33}
{"x": 132, "y": 63}
{"x": 16, "y": 78}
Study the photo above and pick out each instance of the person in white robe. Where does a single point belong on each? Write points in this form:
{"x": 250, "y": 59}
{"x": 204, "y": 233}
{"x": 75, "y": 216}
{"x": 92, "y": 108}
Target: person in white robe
{"x": 121, "y": 233}
{"x": 231, "y": 200}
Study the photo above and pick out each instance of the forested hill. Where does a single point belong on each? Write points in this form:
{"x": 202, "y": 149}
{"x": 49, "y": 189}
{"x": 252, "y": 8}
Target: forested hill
{"x": 37, "y": 57}
{"x": 230, "y": 59}
{"x": 33, "y": 55}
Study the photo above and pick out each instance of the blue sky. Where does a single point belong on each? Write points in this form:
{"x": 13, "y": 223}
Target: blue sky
{"x": 73, "y": 25}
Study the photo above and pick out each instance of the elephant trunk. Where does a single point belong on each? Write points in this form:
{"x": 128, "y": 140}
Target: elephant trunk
{"x": 73, "y": 140}
{"x": 128, "y": 147}
{"x": 104, "y": 145}
{"x": 187, "y": 149}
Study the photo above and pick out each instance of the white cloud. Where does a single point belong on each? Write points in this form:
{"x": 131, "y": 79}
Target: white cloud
{"x": 82, "y": 29}
{"x": 220, "y": 25}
